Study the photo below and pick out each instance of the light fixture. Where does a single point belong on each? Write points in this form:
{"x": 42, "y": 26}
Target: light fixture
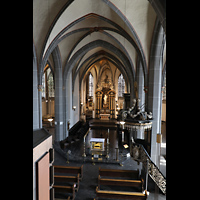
{"x": 74, "y": 108}
{"x": 50, "y": 121}
{"x": 122, "y": 124}
{"x": 122, "y": 136}
{"x": 125, "y": 146}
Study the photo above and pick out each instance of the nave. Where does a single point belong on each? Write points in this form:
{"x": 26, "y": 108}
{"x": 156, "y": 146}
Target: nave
{"x": 99, "y": 128}
{"x": 105, "y": 60}
{"x": 90, "y": 170}
{"x": 90, "y": 181}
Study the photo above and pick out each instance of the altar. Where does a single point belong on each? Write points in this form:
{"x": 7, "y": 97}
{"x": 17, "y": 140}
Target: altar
{"x": 105, "y": 116}
{"x": 105, "y": 97}
{"x": 97, "y": 146}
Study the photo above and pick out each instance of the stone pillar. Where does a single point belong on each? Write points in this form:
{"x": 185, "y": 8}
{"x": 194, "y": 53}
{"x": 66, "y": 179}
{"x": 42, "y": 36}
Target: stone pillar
{"x": 58, "y": 96}
{"x": 35, "y": 96}
{"x": 40, "y": 104}
{"x": 98, "y": 103}
{"x": 140, "y": 84}
{"x": 154, "y": 85}
{"x": 112, "y": 104}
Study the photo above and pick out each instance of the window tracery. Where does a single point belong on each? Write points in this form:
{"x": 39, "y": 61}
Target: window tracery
{"x": 90, "y": 85}
{"x": 48, "y": 84}
{"x": 121, "y": 86}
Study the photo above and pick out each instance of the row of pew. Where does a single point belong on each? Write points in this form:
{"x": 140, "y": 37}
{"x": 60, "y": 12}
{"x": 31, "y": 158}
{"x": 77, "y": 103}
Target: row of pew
{"x": 76, "y": 132}
{"x": 67, "y": 181}
{"x": 112, "y": 183}
{"x": 110, "y": 179}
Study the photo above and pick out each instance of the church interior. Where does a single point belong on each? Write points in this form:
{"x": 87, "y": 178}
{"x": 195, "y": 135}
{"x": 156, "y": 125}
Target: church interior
{"x": 99, "y": 99}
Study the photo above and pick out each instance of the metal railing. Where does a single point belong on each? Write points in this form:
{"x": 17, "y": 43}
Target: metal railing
{"x": 139, "y": 154}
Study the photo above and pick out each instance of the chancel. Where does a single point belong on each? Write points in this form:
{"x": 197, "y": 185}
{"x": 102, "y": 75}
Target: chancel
{"x": 99, "y": 92}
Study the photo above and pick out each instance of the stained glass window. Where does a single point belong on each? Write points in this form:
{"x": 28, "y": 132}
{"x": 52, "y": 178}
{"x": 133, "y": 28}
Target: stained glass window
{"x": 90, "y": 85}
{"x": 51, "y": 85}
{"x": 43, "y": 86}
{"x": 47, "y": 84}
{"x": 164, "y": 89}
{"x": 121, "y": 85}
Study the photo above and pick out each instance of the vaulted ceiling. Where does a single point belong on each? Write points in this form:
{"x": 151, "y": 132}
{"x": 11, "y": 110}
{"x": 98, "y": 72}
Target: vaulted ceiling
{"x": 85, "y": 31}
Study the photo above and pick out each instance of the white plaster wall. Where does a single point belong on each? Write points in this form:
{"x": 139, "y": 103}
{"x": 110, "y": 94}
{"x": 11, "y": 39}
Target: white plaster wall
{"x": 76, "y": 101}
{"x": 69, "y": 100}
{"x": 142, "y": 17}
{"x": 69, "y": 15}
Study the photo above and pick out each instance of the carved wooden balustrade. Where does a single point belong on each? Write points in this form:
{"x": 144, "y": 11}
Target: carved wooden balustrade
{"x": 139, "y": 154}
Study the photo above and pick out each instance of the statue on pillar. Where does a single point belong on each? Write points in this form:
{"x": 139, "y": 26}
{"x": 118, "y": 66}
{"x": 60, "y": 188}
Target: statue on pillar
{"x": 105, "y": 99}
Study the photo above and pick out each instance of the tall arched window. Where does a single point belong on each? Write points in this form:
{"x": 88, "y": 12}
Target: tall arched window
{"x": 43, "y": 86}
{"x": 164, "y": 89}
{"x": 121, "y": 86}
{"x": 51, "y": 85}
{"x": 90, "y": 85}
{"x": 47, "y": 84}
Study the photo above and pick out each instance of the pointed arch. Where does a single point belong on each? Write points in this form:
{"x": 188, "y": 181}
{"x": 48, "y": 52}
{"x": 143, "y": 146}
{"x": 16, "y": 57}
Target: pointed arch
{"x": 60, "y": 36}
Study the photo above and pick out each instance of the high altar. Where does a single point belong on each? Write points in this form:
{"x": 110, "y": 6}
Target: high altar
{"x": 105, "y": 98}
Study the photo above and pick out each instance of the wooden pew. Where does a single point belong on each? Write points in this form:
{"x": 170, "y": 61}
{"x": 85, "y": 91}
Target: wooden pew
{"x": 120, "y": 194}
{"x": 75, "y": 134}
{"x": 66, "y": 142}
{"x": 69, "y": 170}
{"x": 67, "y": 179}
{"x": 132, "y": 174}
{"x": 75, "y": 128}
{"x": 65, "y": 189}
{"x": 121, "y": 182}
{"x": 72, "y": 135}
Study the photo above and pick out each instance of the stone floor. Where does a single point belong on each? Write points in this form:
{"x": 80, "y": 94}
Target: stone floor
{"x": 90, "y": 171}
{"x": 90, "y": 174}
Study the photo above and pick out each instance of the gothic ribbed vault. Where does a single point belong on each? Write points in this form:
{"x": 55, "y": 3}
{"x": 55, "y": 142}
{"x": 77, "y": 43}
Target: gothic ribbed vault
{"x": 78, "y": 37}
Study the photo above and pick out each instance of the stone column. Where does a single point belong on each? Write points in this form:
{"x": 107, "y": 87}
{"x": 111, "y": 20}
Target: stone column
{"x": 112, "y": 104}
{"x": 154, "y": 85}
{"x": 35, "y": 96}
{"x": 58, "y": 96}
{"x": 98, "y": 103}
{"x": 140, "y": 84}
